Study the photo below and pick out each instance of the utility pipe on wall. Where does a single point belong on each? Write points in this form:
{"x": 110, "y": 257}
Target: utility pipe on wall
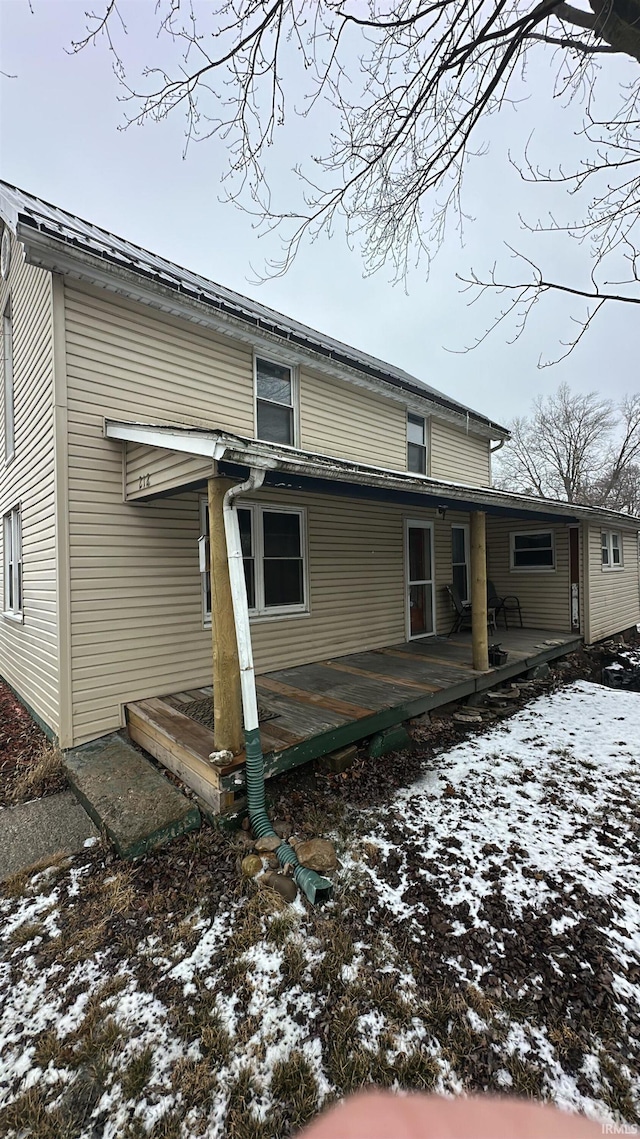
{"x": 314, "y": 886}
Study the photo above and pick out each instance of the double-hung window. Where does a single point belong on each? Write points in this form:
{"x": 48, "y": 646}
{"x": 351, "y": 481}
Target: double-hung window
{"x": 7, "y": 358}
{"x": 275, "y": 402}
{"x": 273, "y": 544}
{"x": 416, "y": 444}
{"x": 611, "y": 546}
{"x": 460, "y": 560}
{"x": 533, "y": 550}
{"x": 12, "y": 559}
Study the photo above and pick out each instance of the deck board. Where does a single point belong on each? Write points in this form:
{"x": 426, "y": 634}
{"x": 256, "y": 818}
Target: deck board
{"x": 322, "y": 705}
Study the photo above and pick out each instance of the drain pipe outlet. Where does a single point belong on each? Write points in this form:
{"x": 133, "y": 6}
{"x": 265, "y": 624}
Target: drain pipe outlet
{"x": 313, "y": 885}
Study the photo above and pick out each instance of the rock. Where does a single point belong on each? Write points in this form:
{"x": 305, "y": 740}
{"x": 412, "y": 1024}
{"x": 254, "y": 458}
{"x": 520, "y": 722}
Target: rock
{"x": 244, "y": 840}
{"x": 336, "y": 762}
{"x": 251, "y": 865}
{"x": 540, "y": 672}
{"x": 285, "y": 830}
{"x": 467, "y": 717}
{"x": 272, "y": 861}
{"x": 268, "y": 843}
{"x": 317, "y": 854}
{"x": 245, "y": 824}
{"x": 283, "y": 885}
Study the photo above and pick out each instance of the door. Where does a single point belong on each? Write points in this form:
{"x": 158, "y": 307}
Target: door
{"x": 419, "y": 580}
{"x": 574, "y": 577}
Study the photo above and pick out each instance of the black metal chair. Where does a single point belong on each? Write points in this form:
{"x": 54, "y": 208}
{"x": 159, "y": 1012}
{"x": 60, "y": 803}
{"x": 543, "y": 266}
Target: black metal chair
{"x": 505, "y": 605}
{"x": 462, "y": 619}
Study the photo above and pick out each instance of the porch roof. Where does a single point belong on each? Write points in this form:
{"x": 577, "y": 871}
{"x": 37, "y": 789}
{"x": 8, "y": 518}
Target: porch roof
{"x": 294, "y": 469}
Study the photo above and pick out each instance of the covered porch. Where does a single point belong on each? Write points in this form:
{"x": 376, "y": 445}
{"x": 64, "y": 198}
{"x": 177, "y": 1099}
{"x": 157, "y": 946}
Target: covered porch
{"x": 310, "y": 710}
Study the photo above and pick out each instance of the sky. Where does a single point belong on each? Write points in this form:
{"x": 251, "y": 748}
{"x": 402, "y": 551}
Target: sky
{"x": 61, "y": 138}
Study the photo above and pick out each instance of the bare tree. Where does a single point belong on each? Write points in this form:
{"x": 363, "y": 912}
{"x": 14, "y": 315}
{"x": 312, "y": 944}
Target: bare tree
{"x": 576, "y": 447}
{"x": 409, "y": 84}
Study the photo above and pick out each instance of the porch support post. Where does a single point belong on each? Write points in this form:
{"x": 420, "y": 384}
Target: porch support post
{"x": 227, "y": 703}
{"x": 479, "y": 635}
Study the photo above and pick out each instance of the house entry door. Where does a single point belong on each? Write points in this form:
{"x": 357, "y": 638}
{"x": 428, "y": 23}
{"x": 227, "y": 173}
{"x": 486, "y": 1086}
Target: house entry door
{"x": 419, "y": 583}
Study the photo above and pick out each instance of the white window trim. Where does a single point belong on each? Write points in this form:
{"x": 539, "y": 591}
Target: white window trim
{"x": 467, "y": 549}
{"x": 8, "y": 383}
{"x": 531, "y": 569}
{"x": 260, "y": 612}
{"x": 12, "y": 525}
{"x": 427, "y": 439}
{"x": 611, "y": 568}
{"x": 295, "y": 396}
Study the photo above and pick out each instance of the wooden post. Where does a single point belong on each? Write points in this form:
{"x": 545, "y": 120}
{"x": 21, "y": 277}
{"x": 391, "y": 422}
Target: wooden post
{"x": 479, "y": 636}
{"x": 227, "y": 702}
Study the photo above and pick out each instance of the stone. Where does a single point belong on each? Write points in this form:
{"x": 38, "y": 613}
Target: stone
{"x": 245, "y": 824}
{"x": 391, "y": 739}
{"x": 469, "y": 717}
{"x": 317, "y": 854}
{"x": 123, "y": 792}
{"x": 282, "y": 828}
{"x": 251, "y": 865}
{"x": 268, "y": 843}
{"x": 540, "y": 672}
{"x": 283, "y": 885}
{"x": 244, "y": 840}
{"x": 335, "y": 762}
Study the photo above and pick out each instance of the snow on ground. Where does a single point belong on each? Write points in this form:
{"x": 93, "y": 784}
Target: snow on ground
{"x": 485, "y": 934}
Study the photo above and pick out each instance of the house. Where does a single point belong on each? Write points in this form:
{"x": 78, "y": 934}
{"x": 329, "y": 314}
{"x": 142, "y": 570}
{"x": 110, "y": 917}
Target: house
{"x": 137, "y": 393}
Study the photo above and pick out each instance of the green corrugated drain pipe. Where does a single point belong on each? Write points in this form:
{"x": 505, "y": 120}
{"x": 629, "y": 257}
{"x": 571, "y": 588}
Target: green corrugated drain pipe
{"x": 312, "y": 884}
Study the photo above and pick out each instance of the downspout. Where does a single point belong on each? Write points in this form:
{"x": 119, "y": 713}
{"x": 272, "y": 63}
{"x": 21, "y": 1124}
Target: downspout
{"x": 312, "y": 884}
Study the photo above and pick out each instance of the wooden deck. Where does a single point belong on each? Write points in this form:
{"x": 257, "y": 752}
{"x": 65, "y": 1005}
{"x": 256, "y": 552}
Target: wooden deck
{"x": 319, "y": 707}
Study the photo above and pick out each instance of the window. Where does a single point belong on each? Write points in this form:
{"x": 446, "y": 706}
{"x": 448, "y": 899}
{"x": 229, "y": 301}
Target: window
{"x": 416, "y": 444}
{"x": 273, "y": 551}
{"x": 460, "y": 560}
{"x": 275, "y": 403}
{"x": 533, "y": 551}
{"x": 611, "y": 545}
{"x": 7, "y": 356}
{"x": 12, "y": 534}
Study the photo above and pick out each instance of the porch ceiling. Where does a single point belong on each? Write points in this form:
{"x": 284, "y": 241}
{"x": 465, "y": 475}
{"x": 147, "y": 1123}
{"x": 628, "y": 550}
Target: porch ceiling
{"x": 290, "y": 468}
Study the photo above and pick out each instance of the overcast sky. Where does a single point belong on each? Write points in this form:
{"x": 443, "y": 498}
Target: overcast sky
{"x": 59, "y": 139}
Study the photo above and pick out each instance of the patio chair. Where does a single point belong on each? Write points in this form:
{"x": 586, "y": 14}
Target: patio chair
{"x": 462, "y": 619}
{"x": 505, "y": 605}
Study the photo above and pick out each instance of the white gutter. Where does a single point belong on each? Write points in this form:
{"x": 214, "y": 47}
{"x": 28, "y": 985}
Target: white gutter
{"x": 239, "y": 595}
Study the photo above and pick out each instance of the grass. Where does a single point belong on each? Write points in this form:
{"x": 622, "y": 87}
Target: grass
{"x": 43, "y": 776}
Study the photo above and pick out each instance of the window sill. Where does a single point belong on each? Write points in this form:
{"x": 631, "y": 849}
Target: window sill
{"x": 16, "y": 618}
{"x": 532, "y": 569}
{"x": 611, "y": 569}
{"x": 261, "y": 618}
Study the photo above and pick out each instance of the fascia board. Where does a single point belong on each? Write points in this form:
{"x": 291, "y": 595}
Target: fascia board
{"x": 48, "y": 254}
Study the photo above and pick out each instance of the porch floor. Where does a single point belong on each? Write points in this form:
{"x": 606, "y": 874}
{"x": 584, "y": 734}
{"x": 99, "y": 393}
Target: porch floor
{"x": 319, "y": 707}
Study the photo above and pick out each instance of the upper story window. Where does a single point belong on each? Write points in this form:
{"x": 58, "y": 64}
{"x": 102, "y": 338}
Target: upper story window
{"x": 533, "y": 550}
{"x": 7, "y": 358}
{"x": 12, "y": 558}
{"x": 416, "y": 444}
{"x": 274, "y": 557}
{"x": 611, "y": 546}
{"x": 276, "y": 398}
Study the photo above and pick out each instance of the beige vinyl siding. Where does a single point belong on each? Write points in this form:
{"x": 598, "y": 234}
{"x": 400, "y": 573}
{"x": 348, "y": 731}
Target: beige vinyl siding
{"x": 29, "y": 651}
{"x": 351, "y": 423}
{"x": 459, "y": 456}
{"x": 155, "y": 470}
{"x": 544, "y": 594}
{"x": 159, "y": 369}
{"x": 614, "y": 595}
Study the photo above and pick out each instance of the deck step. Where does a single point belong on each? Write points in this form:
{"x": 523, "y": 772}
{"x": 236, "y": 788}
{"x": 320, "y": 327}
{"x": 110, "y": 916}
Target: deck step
{"x": 124, "y": 793}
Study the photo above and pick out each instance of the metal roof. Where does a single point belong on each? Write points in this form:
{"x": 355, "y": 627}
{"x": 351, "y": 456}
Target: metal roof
{"x": 302, "y": 467}
{"x": 25, "y": 210}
